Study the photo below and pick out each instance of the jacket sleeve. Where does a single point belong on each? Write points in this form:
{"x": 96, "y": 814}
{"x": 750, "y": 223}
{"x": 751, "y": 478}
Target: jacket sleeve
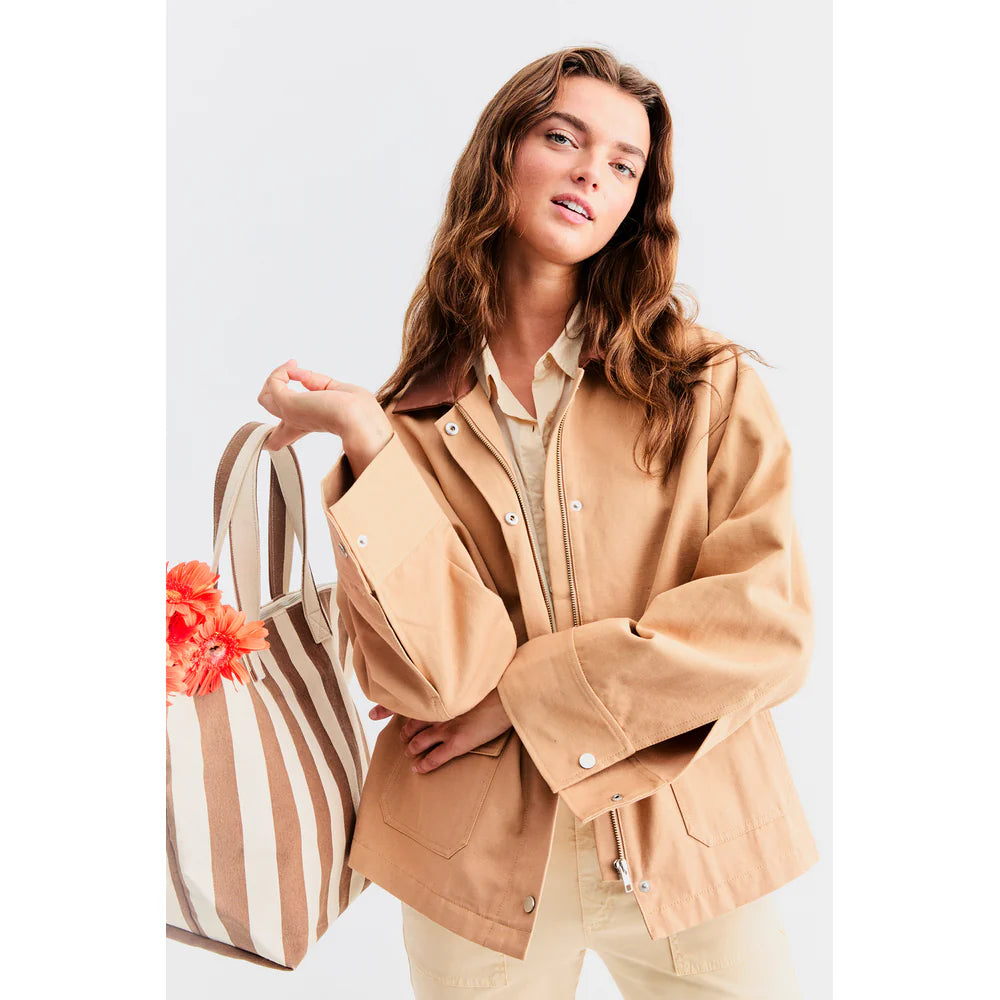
{"x": 703, "y": 657}
{"x": 429, "y": 637}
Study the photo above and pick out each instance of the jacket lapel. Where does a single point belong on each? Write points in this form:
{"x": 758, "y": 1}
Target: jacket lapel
{"x": 430, "y": 387}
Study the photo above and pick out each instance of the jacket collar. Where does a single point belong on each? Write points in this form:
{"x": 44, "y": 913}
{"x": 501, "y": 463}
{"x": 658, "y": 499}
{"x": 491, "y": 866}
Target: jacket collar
{"x": 430, "y": 387}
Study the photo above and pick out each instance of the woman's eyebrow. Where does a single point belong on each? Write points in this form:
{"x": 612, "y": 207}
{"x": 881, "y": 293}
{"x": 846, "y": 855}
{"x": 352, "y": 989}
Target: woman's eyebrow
{"x": 579, "y": 123}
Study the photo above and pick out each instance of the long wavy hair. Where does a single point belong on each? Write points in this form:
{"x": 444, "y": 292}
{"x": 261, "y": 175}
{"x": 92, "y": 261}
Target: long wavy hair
{"x": 632, "y": 310}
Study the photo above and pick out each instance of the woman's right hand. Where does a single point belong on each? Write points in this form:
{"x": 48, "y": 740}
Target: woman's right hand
{"x": 349, "y": 411}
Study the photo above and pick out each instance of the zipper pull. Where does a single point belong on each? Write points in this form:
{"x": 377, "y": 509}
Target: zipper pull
{"x": 621, "y": 866}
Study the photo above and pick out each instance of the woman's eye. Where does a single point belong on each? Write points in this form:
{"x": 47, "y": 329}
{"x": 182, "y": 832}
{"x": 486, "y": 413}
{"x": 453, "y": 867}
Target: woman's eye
{"x": 628, "y": 171}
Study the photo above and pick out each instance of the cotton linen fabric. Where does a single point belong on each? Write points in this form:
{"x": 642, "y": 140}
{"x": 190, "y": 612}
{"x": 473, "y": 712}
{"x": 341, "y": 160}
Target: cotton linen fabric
{"x": 638, "y": 678}
{"x": 743, "y": 953}
{"x": 739, "y": 955}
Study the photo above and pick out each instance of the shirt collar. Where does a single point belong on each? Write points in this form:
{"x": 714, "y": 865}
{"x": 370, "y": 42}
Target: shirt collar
{"x": 565, "y": 352}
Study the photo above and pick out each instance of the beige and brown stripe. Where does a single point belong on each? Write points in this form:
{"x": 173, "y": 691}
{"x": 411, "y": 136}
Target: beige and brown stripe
{"x": 264, "y": 781}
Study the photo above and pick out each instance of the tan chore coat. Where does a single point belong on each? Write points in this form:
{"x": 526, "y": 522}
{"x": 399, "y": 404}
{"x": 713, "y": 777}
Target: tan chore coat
{"x": 639, "y": 691}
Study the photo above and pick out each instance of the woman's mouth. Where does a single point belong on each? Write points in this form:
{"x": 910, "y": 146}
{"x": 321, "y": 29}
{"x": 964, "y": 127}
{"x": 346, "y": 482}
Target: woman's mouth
{"x": 570, "y": 215}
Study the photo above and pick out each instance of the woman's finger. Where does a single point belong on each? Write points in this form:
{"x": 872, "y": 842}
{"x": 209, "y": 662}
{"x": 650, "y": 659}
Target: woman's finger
{"x": 425, "y": 741}
{"x": 282, "y": 436}
{"x": 314, "y": 381}
{"x": 281, "y": 372}
{"x": 274, "y": 385}
{"x": 411, "y": 727}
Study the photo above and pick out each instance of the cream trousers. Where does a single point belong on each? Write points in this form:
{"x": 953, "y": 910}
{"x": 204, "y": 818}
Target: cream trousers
{"x": 739, "y": 955}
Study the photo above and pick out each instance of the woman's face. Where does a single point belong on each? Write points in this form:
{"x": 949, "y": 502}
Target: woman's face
{"x": 592, "y": 148}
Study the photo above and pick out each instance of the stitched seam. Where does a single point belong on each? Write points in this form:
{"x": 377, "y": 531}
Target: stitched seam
{"x": 581, "y": 677}
{"x": 393, "y": 820}
{"x": 522, "y": 844}
{"x": 434, "y": 892}
{"x": 458, "y": 981}
{"x": 438, "y": 516}
{"x": 792, "y": 851}
{"x": 713, "y": 715}
{"x": 625, "y": 748}
{"x": 755, "y": 822}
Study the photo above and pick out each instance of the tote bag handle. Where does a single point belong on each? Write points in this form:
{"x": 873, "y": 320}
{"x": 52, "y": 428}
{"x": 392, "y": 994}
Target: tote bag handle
{"x": 235, "y": 514}
{"x": 280, "y": 536}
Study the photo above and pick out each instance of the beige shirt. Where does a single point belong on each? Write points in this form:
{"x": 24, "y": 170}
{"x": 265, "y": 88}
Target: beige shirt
{"x": 527, "y": 437}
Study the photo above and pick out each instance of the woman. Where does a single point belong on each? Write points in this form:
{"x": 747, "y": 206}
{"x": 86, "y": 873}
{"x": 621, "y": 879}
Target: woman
{"x": 578, "y": 650}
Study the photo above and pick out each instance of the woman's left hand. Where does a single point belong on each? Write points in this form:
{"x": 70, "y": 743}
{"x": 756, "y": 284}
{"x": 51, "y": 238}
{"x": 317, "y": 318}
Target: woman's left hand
{"x": 445, "y": 740}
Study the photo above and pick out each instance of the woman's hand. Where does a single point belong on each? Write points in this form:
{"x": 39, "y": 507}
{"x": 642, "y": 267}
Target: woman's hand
{"x": 445, "y": 740}
{"x": 347, "y": 410}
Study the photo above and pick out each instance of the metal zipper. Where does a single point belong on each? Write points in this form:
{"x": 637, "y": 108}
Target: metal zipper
{"x": 620, "y": 863}
{"x": 524, "y": 512}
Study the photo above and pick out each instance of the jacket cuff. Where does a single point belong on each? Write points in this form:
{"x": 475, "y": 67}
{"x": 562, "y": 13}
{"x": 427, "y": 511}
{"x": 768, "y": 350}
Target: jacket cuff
{"x": 543, "y": 683}
{"x": 627, "y": 779}
{"x": 379, "y": 517}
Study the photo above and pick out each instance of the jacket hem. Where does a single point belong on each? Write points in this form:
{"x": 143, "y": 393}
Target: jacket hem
{"x": 478, "y": 927}
{"x": 671, "y": 918}
{"x": 737, "y": 890}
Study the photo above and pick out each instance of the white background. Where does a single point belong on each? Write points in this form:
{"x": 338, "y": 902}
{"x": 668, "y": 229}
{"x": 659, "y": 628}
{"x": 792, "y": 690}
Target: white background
{"x": 304, "y": 165}
{"x": 308, "y": 159}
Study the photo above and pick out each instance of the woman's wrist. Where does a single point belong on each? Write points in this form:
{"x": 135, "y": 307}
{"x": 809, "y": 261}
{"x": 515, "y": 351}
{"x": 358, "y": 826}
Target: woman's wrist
{"x": 361, "y": 448}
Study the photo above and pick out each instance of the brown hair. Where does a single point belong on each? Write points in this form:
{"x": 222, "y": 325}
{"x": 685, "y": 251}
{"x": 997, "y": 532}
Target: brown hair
{"x": 632, "y": 313}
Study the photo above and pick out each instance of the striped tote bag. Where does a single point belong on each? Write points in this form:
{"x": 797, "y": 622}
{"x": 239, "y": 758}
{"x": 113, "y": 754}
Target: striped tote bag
{"x": 264, "y": 779}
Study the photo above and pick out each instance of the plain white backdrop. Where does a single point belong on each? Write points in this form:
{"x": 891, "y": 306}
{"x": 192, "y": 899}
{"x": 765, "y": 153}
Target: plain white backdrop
{"x": 309, "y": 150}
{"x": 285, "y": 236}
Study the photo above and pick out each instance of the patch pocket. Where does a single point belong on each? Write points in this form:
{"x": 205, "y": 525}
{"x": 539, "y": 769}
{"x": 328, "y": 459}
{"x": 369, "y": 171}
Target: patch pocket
{"x": 741, "y": 784}
{"x": 439, "y": 808}
{"x": 726, "y": 940}
{"x": 436, "y": 953}
{"x": 495, "y": 746}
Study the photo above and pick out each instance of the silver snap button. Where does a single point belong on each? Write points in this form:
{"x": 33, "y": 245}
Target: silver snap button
{"x": 587, "y": 760}
{"x": 575, "y": 504}
{"x": 510, "y": 517}
{"x": 644, "y": 886}
{"x": 617, "y": 797}
{"x": 362, "y": 540}
{"x": 529, "y": 904}
{"x": 451, "y": 427}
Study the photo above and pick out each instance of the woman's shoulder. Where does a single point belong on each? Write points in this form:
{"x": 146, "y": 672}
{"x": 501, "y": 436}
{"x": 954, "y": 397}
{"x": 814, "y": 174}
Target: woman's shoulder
{"x": 729, "y": 371}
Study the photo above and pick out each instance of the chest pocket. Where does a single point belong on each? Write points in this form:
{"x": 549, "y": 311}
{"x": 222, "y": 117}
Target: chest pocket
{"x": 439, "y": 809}
{"x": 741, "y": 784}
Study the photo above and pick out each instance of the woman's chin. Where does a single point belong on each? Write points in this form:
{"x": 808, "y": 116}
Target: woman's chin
{"x": 554, "y": 248}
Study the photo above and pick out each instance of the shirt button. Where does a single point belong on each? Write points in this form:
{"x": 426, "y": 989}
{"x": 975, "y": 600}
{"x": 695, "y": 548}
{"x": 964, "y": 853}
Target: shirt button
{"x": 644, "y": 886}
{"x": 510, "y": 517}
{"x": 617, "y": 797}
{"x": 529, "y": 904}
{"x": 362, "y": 540}
{"x": 575, "y": 504}
{"x": 587, "y": 760}
{"x": 451, "y": 427}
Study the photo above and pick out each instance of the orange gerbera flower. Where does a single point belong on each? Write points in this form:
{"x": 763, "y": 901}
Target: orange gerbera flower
{"x": 191, "y": 592}
{"x": 178, "y": 631}
{"x": 177, "y": 667}
{"x": 217, "y": 645}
